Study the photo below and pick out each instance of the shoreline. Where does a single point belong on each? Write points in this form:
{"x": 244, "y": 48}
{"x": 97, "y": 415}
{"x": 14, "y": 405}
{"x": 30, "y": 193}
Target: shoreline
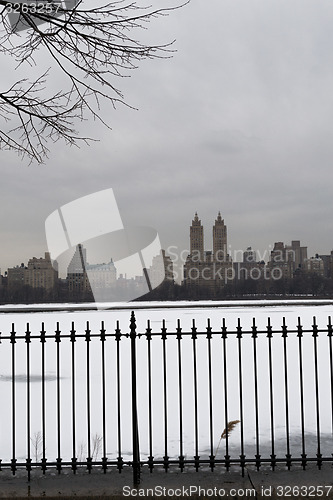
{"x": 36, "y": 308}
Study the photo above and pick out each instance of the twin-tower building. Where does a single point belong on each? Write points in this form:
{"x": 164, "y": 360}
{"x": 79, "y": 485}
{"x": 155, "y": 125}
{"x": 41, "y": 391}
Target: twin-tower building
{"x": 211, "y": 268}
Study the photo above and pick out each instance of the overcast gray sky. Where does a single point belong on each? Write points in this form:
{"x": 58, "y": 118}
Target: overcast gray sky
{"x": 239, "y": 120}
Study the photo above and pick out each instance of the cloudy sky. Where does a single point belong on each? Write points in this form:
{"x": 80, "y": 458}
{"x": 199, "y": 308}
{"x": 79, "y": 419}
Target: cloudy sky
{"x": 239, "y": 120}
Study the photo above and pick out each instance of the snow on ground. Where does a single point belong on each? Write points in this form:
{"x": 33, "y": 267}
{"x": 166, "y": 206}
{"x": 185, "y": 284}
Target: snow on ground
{"x": 261, "y": 311}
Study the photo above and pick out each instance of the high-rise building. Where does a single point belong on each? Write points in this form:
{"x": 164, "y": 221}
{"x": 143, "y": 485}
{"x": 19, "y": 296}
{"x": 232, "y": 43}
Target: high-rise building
{"x": 76, "y": 271}
{"x": 102, "y": 276}
{"x": 315, "y": 265}
{"x": 41, "y": 273}
{"x": 210, "y": 269}
{"x": 249, "y": 267}
{"x": 15, "y": 277}
{"x": 83, "y": 277}
{"x": 161, "y": 269}
{"x": 78, "y": 262}
{"x": 249, "y": 255}
{"x": 197, "y": 238}
{"x": 219, "y": 239}
{"x": 327, "y": 260}
{"x": 285, "y": 259}
{"x": 298, "y": 254}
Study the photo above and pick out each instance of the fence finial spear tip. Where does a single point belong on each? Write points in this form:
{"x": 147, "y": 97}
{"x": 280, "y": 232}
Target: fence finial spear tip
{"x": 132, "y": 315}
{"x": 132, "y": 322}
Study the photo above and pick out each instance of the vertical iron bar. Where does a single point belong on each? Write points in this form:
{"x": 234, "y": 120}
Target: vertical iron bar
{"x": 240, "y": 376}
{"x": 256, "y": 398}
{"x": 315, "y": 335}
{"x": 330, "y": 335}
{"x": 150, "y": 421}
{"x": 58, "y": 340}
{"x": 180, "y": 386}
{"x": 196, "y": 430}
{"x": 43, "y": 340}
{"x": 285, "y": 358}
{"x": 225, "y": 375}
{"x": 87, "y": 339}
{"x": 165, "y": 458}
{"x": 210, "y": 388}
{"x": 271, "y": 398}
{"x": 28, "y": 460}
{"x": 117, "y": 339}
{"x": 13, "y": 460}
{"x": 135, "y": 433}
{"x": 74, "y": 459}
{"x": 300, "y": 355}
{"x": 102, "y": 339}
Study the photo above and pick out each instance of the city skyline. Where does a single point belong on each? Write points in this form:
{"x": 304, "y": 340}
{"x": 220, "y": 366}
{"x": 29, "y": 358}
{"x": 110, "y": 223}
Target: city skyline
{"x": 205, "y": 272}
{"x": 245, "y": 127}
{"x": 263, "y": 251}
{"x": 235, "y": 255}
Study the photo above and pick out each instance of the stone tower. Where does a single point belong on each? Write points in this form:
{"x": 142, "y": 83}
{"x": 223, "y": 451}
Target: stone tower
{"x": 197, "y": 239}
{"x": 219, "y": 240}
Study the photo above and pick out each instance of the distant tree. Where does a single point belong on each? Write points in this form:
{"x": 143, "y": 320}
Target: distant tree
{"x": 278, "y": 286}
{"x": 37, "y": 446}
{"x": 317, "y": 284}
{"x": 90, "y": 43}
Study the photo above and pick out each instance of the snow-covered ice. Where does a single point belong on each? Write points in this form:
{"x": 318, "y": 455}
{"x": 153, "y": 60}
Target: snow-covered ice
{"x": 261, "y": 311}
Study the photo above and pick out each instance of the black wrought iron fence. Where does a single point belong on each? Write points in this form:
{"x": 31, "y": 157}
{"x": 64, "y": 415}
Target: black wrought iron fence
{"x": 179, "y": 392}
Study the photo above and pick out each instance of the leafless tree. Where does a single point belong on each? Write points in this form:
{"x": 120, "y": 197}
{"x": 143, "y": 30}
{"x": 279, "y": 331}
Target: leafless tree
{"x": 90, "y": 46}
{"x": 97, "y": 441}
{"x": 37, "y": 442}
{"x": 81, "y": 452}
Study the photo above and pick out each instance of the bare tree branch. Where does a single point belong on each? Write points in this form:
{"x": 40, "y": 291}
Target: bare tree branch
{"x": 90, "y": 48}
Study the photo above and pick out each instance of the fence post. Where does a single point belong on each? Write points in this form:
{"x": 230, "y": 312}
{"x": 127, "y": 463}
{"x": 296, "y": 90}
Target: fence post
{"x": 135, "y": 432}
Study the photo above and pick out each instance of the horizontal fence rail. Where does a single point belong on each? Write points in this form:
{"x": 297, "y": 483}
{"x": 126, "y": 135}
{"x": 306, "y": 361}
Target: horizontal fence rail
{"x": 166, "y": 398}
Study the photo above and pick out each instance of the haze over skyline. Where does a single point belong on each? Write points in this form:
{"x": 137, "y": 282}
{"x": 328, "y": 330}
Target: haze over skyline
{"x": 239, "y": 120}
